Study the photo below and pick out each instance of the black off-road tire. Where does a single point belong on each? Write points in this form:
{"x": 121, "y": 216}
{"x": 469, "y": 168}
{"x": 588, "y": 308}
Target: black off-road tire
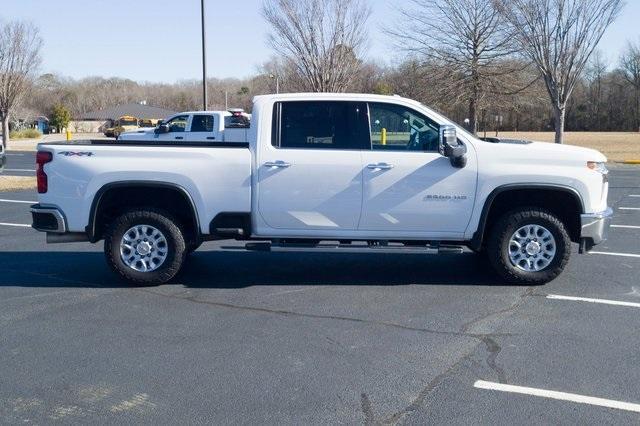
{"x": 165, "y": 223}
{"x": 498, "y": 245}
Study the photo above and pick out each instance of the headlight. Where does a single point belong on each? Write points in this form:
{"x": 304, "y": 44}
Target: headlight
{"x": 599, "y": 167}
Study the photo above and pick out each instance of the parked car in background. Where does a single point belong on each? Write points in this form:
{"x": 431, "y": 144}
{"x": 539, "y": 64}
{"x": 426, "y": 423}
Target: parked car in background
{"x": 196, "y": 126}
{"x": 324, "y": 172}
{"x": 3, "y": 158}
{"x": 121, "y": 125}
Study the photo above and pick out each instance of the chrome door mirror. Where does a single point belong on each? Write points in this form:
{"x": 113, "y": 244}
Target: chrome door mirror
{"x": 450, "y": 147}
{"x": 163, "y": 128}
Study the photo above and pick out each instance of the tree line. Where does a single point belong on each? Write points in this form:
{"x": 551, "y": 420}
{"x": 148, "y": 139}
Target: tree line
{"x": 526, "y": 65}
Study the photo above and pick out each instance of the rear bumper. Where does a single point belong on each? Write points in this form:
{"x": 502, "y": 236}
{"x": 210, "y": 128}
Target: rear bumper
{"x": 595, "y": 226}
{"x": 48, "y": 219}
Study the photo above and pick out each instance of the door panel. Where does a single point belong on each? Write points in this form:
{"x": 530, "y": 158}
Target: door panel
{"x": 409, "y": 187}
{"x": 311, "y": 190}
{"x": 177, "y": 129}
{"x": 310, "y": 178}
{"x": 422, "y": 192}
{"x": 203, "y": 128}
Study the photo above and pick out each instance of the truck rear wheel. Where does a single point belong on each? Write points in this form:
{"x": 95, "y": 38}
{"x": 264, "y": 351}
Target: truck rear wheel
{"x": 529, "y": 246}
{"x": 145, "y": 247}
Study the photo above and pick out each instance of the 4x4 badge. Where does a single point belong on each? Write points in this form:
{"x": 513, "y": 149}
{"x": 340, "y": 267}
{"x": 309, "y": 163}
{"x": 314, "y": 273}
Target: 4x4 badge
{"x": 76, "y": 153}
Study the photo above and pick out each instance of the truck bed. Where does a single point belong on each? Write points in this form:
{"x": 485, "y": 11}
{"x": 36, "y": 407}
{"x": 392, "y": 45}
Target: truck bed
{"x": 110, "y": 142}
{"x": 216, "y": 176}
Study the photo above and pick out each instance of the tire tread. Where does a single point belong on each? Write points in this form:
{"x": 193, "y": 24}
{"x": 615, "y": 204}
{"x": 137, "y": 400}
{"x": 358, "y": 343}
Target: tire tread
{"x": 166, "y": 272}
{"x": 505, "y": 225}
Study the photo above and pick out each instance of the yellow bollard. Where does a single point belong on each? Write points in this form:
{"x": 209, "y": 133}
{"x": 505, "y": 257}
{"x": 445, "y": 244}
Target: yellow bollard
{"x": 383, "y": 136}
{"x": 68, "y": 135}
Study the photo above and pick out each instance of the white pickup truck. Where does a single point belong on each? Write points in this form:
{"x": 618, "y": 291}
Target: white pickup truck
{"x": 328, "y": 172}
{"x": 195, "y": 126}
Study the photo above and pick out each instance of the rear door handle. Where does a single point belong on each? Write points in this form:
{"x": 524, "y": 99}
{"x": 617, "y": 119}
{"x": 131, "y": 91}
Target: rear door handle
{"x": 179, "y": 137}
{"x": 211, "y": 138}
{"x": 278, "y": 164}
{"x": 380, "y": 166}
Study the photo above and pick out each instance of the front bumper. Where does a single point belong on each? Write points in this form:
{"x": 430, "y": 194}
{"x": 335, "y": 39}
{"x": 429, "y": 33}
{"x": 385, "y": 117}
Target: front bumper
{"x": 595, "y": 227}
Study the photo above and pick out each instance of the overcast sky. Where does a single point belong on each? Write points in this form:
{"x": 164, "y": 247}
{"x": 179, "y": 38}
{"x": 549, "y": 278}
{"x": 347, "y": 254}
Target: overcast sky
{"x": 159, "y": 40}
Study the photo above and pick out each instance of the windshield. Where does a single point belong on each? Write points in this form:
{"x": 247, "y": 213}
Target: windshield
{"x": 461, "y": 129}
{"x": 458, "y": 127}
{"x": 236, "y": 122}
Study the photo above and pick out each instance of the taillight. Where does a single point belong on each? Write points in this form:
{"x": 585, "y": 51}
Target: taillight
{"x": 42, "y": 158}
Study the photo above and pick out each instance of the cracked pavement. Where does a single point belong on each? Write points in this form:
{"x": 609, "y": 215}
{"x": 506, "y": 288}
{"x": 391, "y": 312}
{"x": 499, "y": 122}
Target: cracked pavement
{"x": 305, "y": 338}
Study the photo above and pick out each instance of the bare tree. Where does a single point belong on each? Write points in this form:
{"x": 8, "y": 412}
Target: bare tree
{"x": 630, "y": 65}
{"x": 467, "y": 39}
{"x": 559, "y": 36}
{"x": 20, "y": 45}
{"x": 323, "y": 39}
{"x": 595, "y": 73}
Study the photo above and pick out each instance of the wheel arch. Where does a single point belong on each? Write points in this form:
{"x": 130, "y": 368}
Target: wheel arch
{"x": 510, "y": 196}
{"x": 104, "y": 198}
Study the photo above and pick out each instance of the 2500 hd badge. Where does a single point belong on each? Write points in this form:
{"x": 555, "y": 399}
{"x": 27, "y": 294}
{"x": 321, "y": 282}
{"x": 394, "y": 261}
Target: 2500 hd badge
{"x": 430, "y": 197}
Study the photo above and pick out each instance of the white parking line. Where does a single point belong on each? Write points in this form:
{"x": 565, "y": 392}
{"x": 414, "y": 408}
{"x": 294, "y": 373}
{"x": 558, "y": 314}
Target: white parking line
{"x": 19, "y": 170}
{"x": 2, "y": 200}
{"x": 20, "y": 225}
{"x": 615, "y": 254}
{"x": 629, "y": 208}
{"x": 635, "y": 196}
{"x": 589, "y": 300}
{"x": 625, "y": 226}
{"x": 563, "y": 396}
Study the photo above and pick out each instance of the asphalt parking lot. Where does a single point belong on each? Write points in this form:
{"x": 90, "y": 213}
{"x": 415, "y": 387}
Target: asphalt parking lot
{"x": 259, "y": 338}
{"x": 20, "y": 163}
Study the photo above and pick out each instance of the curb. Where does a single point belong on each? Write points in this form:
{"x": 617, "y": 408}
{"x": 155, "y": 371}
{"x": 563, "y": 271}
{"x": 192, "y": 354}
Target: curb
{"x": 630, "y": 162}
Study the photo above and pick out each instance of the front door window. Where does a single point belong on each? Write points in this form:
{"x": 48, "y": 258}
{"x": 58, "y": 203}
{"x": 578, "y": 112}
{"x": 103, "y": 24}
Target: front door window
{"x": 397, "y": 128}
{"x": 178, "y": 124}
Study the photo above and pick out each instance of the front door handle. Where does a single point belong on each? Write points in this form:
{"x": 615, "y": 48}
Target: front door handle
{"x": 380, "y": 166}
{"x": 278, "y": 164}
{"x": 179, "y": 137}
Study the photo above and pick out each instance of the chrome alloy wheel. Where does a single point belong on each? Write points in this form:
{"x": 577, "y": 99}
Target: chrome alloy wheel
{"x": 143, "y": 248}
{"x": 532, "y": 248}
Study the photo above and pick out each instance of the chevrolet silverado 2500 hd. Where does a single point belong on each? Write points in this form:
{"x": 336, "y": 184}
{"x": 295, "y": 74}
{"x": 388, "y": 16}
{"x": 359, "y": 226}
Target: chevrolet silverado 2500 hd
{"x": 328, "y": 172}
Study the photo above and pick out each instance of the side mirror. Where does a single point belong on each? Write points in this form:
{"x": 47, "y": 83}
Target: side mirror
{"x": 163, "y": 128}
{"x": 450, "y": 147}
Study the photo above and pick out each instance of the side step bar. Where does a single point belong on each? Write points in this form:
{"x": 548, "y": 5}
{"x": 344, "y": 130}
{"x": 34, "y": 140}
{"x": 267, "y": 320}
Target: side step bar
{"x": 355, "y": 248}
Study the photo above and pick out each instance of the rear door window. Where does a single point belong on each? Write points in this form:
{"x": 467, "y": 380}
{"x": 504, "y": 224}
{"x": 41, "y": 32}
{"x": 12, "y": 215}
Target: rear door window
{"x": 237, "y": 122}
{"x": 337, "y": 125}
{"x": 202, "y": 123}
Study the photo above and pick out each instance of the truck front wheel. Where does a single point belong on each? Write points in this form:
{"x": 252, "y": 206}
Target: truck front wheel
{"x": 145, "y": 247}
{"x": 529, "y": 246}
